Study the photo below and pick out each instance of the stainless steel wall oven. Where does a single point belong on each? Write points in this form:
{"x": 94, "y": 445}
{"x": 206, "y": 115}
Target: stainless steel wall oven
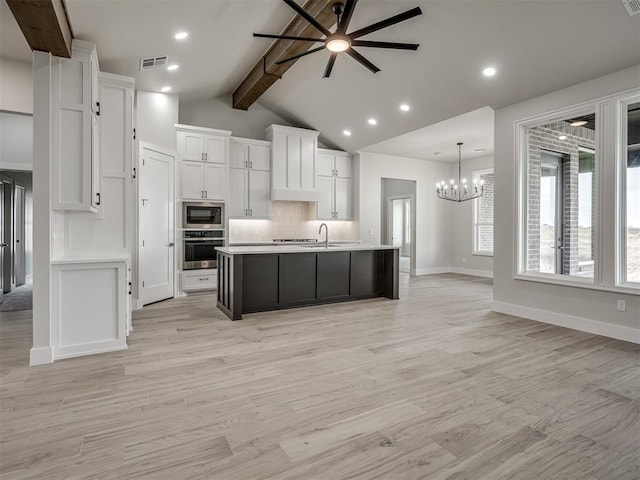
{"x": 199, "y": 249}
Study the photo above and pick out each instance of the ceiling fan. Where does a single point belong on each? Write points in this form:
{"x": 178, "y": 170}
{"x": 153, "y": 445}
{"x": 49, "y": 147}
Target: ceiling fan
{"x": 340, "y": 40}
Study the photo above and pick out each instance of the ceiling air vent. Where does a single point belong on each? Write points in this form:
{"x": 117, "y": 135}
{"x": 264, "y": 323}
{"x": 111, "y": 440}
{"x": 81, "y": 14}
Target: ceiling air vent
{"x": 153, "y": 63}
{"x": 632, "y": 6}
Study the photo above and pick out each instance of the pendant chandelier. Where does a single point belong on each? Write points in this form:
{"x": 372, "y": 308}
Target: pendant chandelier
{"x": 459, "y": 192}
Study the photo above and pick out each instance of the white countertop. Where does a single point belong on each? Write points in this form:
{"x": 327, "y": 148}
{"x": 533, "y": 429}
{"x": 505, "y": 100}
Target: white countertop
{"x": 333, "y": 247}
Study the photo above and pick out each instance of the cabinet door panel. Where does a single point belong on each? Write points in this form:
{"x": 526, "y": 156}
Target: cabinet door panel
{"x": 192, "y": 147}
{"x": 259, "y": 282}
{"x": 259, "y": 156}
{"x": 366, "y": 273}
{"x": 259, "y": 193}
{"x": 344, "y": 198}
{"x": 215, "y": 181}
{"x": 95, "y": 161}
{"x": 324, "y": 208}
{"x": 325, "y": 164}
{"x": 293, "y": 161}
{"x": 192, "y": 186}
{"x": 297, "y": 277}
{"x": 333, "y": 275}
{"x": 238, "y": 192}
{"x": 215, "y": 149}
{"x": 344, "y": 166}
{"x": 237, "y": 155}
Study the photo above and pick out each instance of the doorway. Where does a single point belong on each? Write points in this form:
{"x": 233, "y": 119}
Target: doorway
{"x": 551, "y": 213}
{"x": 398, "y": 220}
{"x": 156, "y": 237}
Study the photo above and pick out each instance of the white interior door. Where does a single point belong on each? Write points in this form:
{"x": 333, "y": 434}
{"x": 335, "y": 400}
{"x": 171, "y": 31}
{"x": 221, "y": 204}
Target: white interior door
{"x": 157, "y": 237}
{"x": 3, "y": 244}
{"x": 6, "y": 239}
{"x": 18, "y": 234}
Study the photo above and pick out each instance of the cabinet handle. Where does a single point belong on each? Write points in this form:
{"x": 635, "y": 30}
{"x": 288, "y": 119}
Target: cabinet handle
{"x": 250, "y": 164}
{"x": 98, "y": 201}
{"x": 98, "y": 107}
{"x": 246, "y": 212}
{"x": 206, "y": 157}
{"x": 202, "y": 156}
{"x": 206, "y": 194}
{"x": 203, "y": 279}
{"x": 251, "y": 212}
{"x": 246, "y": 164}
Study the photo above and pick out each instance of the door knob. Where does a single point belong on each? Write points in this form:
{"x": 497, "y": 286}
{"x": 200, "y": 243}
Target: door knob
{"x": 171, "y": 244}
{"x": 3, "y": 245}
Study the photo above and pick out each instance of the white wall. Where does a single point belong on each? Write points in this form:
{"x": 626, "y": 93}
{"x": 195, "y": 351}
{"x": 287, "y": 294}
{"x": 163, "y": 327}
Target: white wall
{"x": 16, "y": 141}
{"x": 462, "y": 259}
{"x": 16, "y": 86}
{"x": 217, "y": 113}
{"x": 156, "y": 116}
{"x": 433, "y": 216}
{"x": 584, "y": 309}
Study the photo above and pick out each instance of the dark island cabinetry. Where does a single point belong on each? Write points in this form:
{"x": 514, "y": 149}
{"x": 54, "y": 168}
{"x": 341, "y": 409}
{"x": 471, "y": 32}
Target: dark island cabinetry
{"x": 256, "y": 282}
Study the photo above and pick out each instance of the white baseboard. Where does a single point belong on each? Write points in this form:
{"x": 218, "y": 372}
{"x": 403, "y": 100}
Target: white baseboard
{"x": 461, "y": 271}
{"x": 41, "y": 356}
{"x": 471, "y": 271}
{"x": 432, "y": 271}
{"x": 618, "y": 332}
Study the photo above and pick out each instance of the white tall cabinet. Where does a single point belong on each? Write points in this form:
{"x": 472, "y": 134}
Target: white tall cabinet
{"x": 249, "y": 179}
{"x": 335, "y": 183}
{"x": 203, "y": 154}
{"x": 76, "y": 107}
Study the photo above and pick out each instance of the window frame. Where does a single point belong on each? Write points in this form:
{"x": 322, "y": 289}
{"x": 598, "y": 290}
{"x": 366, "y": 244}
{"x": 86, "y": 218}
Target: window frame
{"x": 622, "y": 106}
{"x": 610, "y": 141}
{"x": 476, "y": 174}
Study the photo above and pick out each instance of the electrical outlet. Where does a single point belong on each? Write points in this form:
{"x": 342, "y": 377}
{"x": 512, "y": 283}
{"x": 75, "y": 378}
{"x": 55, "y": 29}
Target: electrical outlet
{"x": 621, "y": 306}
{"x": 464, "y": 259}
{"x": 371, "y": 232}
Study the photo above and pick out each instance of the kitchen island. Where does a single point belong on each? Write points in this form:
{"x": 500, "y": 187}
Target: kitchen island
{"x": 263, "y": 278}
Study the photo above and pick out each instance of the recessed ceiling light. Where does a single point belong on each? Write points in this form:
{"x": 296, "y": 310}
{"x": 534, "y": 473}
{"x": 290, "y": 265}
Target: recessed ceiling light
{"x": 578, "y": 123}
{"x": 562, "y": 137}
{"x": 372, "y": 121}
{"x": 347, "y": 133}
{"x": 172, "y": 67}
{"x": 480, "y": 150}
{"x": 181, "y": 35}
{"x": 404, "y": 107}
{"x": 165, "y": 89}
{"x": 489, "y": 72}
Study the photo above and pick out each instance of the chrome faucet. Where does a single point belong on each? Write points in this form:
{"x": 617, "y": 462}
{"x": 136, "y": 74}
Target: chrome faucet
{"x": 326, "y": 234}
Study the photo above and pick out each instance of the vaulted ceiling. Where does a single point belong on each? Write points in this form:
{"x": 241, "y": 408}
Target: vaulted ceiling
{"x": 536, "y": 46}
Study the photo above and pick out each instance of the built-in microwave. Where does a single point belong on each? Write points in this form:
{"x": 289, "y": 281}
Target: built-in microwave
{"x": 202, "y": 215}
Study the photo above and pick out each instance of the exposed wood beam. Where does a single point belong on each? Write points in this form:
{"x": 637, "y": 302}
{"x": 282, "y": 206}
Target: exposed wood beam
{"x": 265, "y": 73}
{"x": 45, "y": 24}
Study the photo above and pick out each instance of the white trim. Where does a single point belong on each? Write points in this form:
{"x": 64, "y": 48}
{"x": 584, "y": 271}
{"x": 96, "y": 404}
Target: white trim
{"x": 412, "y": 198}
{"x": 575, "y": 282}
{"x": 88, "y": 349}
{"x": 473, "y": 272}
{"x": 432, "y": 271}
{"x": 40, "y": 355}
{"x": 22, "y": 167}
{"x": 618, "y": 332}
{"x": 210, "y": 131}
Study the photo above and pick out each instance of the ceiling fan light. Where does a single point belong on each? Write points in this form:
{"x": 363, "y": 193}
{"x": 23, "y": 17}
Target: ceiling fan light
{"x": 337, "y": 43}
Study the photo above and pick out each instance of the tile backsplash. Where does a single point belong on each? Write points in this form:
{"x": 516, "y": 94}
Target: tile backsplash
{"x": 289, "y": 220}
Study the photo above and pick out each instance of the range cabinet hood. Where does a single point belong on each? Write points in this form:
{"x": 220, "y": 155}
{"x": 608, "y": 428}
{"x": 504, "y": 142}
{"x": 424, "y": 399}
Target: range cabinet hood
{"x": 294, "y": 157}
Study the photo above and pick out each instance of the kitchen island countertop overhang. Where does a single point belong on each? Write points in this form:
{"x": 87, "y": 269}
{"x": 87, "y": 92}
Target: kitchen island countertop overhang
{"x": 263, "y": 278}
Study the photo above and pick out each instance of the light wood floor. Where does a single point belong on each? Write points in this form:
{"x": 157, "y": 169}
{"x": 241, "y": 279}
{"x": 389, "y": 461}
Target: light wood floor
{"x": 433, "y": 386}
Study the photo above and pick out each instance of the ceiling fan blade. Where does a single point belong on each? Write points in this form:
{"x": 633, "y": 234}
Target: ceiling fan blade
{"x": 401, "y": 17}
{"x": 398, "y": 46}
{"x": 295, "y": 57}
{"x": 349, "y": 7}
{"x": 288, "y": 37}
{"x": 332, "y": 60}
{"x": 302, "y": 12}
{"x": 356, "y": 56}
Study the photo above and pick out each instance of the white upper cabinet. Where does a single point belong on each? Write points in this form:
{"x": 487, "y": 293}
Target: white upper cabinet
{"x": 76, "y": 127}
{"x": 249, "y": 179}
{"x": 203, "y": 154}
{"x": 335, "y": 182}
{"x": 295, "y": 167}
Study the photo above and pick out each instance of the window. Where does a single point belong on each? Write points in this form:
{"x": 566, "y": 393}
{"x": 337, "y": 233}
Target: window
{"x": 631, "y": 177}
{"x": 579, "y": 195}
{"x": 483, "y": 214}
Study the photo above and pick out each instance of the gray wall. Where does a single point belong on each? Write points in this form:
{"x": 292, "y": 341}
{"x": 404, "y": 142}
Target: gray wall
{"x": 217, "y": 113}
{"x": 16, "y": 141}
{"x": 578, "y": 307}
{"x": 156, "y": 116}
{"x": 462, "y": 258}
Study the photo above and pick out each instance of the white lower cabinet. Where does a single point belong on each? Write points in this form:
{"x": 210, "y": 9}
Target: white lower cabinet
{"x": 205, "y": 279}
{"x": 90, "y": 307}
